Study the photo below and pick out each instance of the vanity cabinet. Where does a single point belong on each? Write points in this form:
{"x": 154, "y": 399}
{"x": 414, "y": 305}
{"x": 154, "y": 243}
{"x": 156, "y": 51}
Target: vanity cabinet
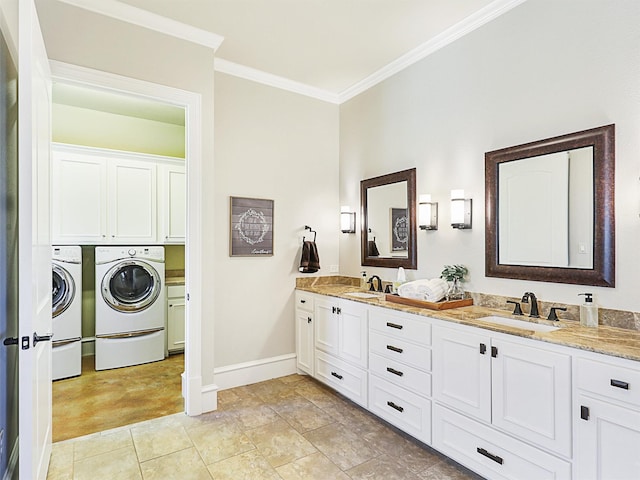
{"x": 340, "y": 339}
{"x": 103, "y": 197}
{"x": 400, "y": 370}
{"x": 513, "y": 385}
{"x": 304, "y": 332}
{"x": 607, "y": 419}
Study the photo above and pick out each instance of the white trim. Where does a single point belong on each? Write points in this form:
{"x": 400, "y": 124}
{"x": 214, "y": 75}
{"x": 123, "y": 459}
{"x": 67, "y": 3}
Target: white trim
{"x": 209, "y": 398}
{"x": 255, "y": 371}
{"x": 451, "y": 34}
{"x": 191, "y": 102}
{"x": 152, "y": 21}
{"x": 230, "y": 68}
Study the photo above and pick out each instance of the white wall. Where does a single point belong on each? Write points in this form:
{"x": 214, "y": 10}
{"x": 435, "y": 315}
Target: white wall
{"x": 544, "y": 69}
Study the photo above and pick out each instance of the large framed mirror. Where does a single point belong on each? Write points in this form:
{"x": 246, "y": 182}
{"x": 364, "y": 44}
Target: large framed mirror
{"x": 388, "y": 236}
{"x": 550, "y": 212}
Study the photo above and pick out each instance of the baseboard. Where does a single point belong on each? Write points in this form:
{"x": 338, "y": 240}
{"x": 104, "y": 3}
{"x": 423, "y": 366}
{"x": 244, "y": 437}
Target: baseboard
{"x": 255, "y": 371}
{"x": 209, "y": 398}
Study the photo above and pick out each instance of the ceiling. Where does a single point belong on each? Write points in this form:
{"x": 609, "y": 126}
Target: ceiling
{"x": 329, "y": 45}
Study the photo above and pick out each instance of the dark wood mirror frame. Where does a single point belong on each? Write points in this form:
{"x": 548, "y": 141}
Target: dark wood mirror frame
{"x": 411, "y": 261}
{"x": 603, "y": 272}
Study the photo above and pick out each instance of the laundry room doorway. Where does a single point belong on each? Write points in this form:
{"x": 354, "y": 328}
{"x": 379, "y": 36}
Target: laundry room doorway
{"x": 161, "y": 126}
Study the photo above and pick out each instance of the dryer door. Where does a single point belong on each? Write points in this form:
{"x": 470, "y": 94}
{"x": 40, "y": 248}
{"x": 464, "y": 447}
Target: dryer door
{"x": 131, "y": 286}
{"x": 64, "y": 289}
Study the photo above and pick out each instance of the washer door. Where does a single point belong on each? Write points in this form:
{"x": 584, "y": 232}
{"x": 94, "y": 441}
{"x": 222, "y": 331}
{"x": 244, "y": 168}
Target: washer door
{"x": 131, "y": 286}
{"x": 63, "y": 291}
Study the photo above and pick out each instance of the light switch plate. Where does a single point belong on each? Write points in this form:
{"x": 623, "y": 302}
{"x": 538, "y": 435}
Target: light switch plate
{"x": 334, "y": 268}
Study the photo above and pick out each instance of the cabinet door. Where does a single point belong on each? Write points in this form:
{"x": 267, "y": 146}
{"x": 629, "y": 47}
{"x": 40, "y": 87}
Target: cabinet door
{"x": 304, "y": 341}
{"x": 462, "y": 371}
{"x": 352, "y": 336}
{"x": 607, "y": 441}
{"x": 173, "y": 202}
{"x": 78, "y": 199}
{"x": 532, "y": 394}
{"x": 326, "y": 326}
{"x": 175, "y": 324}
{"x": 132, "y": 202}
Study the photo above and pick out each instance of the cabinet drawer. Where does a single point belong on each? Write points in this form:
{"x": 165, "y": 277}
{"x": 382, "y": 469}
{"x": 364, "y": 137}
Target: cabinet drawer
{"x": 490, "y": 453}
{"x": 344, "y": 378}
{"x": 401, "y": 326}
{"x": 403, "y": 375}
{"x": 609, "y": 380}
{"x": 409, "y": 412}
{"x": 400, "y": 350}
{"x": 304, "y": 301}
{"x": 175, "y": 291}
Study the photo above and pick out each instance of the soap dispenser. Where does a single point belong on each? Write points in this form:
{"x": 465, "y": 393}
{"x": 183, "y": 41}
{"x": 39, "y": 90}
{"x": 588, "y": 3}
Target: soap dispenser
{"x": 363, "y": 281}
{"x": 588, "y": 311}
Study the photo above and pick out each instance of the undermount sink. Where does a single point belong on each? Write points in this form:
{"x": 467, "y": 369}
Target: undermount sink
{"x": 363, "y": 295}
{"x": 523, "y": 324}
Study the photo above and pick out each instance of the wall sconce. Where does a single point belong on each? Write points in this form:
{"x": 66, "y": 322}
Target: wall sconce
{"x": 460, "y": 210}
{"x": 427, "y": 213}
{"x": 347, "y": 220}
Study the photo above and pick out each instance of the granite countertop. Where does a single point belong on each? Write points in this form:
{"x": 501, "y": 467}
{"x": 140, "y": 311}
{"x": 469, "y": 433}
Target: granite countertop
{"x": 613, "y": 341}
{"x": 174, "y": 277}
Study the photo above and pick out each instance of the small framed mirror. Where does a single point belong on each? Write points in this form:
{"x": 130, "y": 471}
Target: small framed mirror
{"x": 550, "y": 212}
{"x": 388, "y": 237}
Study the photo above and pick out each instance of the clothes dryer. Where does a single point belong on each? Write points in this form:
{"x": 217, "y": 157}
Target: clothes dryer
{"x": 130, "y": 306}
{"x": 66, "y": 305}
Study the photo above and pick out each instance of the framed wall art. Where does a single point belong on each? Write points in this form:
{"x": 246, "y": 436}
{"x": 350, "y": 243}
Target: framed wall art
{"x": 251, "y": 227}
{"x": 399, "y": 229}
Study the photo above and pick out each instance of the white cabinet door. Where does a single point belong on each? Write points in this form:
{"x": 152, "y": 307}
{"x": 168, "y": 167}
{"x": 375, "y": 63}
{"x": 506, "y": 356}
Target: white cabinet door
{"x": 173, "y": 205}
{"x": 531, "y": 394}
{"x": 304, "y": 341}
{"x": 462, "y": 371}
{"x": 326, "y": 325}
{"x": 607, "y": 440}
{"x": 353, "y": 329}
{"x": 175, "y": 324}
{"x": 132, "y": 202}
{"x": 79, "y": 199}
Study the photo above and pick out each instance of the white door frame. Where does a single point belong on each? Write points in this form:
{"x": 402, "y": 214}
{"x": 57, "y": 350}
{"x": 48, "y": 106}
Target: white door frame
{"x": 191, "y": 102}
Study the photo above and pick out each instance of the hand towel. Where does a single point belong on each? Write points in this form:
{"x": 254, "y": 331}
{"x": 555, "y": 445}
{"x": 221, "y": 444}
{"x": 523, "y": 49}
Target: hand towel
{"x": 432, "y": 290}
{"x": 310, "y": 260}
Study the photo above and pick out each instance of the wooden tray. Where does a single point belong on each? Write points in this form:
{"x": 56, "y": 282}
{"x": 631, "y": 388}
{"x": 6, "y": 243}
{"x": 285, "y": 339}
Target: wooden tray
{"x": 444, "y": 305}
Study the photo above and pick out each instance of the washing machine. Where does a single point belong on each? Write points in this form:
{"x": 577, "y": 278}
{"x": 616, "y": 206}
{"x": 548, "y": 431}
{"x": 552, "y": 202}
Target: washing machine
{"x": 130, "y": 306}
{"x": 66, "y": 311}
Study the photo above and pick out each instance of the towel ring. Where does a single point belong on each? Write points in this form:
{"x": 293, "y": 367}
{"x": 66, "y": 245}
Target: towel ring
{"x": 307, "y": 227}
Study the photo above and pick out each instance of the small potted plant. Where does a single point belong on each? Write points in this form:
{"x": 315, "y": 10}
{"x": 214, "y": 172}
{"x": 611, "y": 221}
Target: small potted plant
{"x": 454, "y": 274}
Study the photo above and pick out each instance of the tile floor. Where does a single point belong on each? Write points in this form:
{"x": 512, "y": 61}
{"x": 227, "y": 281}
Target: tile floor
{"x": 282, "y": 429}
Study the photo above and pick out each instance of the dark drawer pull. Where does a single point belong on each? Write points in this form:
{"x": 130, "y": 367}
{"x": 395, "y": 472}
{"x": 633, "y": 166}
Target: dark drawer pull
{"x": 394, "y": 371}
{"x": 308, "y": 319}
{"x": 396, "y": 407}
{"x": 303, "y": 301}
{"x": 495, "y": 458}
{"x": 483, "y": 348}
{"x": 394, "y": 325}
{"x": 337, "y": 375}
{"x": 394, "y": 349}
{"x": 619, "y": 384}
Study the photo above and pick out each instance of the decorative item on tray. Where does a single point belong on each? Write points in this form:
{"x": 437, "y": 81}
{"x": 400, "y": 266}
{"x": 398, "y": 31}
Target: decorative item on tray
{"x": 454, "y": 274}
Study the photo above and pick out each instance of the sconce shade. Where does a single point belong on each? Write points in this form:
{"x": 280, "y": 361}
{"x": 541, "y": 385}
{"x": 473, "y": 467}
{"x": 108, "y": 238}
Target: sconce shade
{"x": 427, "y": 213}
{"x": 460, "y": 210}
{"x": 347, "y": 220}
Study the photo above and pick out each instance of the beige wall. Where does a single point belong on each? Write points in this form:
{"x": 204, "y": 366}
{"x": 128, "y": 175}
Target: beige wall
{"x": 545, "y": 68}
{"x": 268, "y": 144}
{"x": 281, "y": 146}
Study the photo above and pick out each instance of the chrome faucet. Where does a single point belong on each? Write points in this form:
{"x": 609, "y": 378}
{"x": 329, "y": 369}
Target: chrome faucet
{"x": 534, "y": 304}
{"x": 372, "y": 287}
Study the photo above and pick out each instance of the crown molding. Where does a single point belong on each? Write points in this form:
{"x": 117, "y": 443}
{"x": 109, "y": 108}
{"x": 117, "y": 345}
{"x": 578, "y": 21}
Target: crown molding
{"x": 230, "y": 68}
{"x": 460, "y": 29}
{"x": 152, "y": 21}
